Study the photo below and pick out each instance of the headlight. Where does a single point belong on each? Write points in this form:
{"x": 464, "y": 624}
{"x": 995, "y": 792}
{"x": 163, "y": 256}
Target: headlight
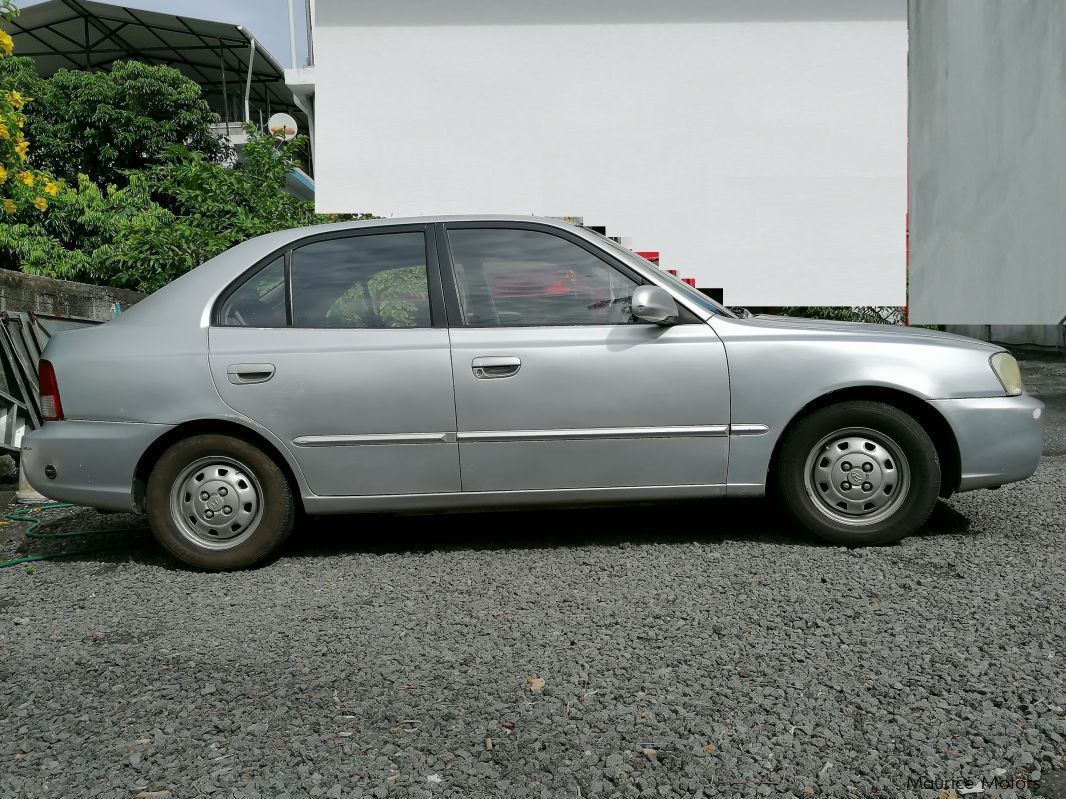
{"x": 1006, "y": 369}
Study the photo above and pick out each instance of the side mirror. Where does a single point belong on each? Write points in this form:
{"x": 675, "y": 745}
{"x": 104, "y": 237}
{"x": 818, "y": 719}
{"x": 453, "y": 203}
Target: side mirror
{"x": 654, "y": 304}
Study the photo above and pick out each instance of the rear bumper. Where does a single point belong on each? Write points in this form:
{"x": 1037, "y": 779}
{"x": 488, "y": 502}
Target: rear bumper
{"x": 94, "y": 461}
{"x": 1000, "y": 438}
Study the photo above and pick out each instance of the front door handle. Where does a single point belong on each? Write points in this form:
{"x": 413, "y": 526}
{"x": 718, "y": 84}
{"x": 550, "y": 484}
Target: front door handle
{"x": 489, "y": 367}
{"x": 243, "y": 373}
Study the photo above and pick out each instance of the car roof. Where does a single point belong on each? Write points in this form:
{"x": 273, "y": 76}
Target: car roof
{"x": 426, "y": 220}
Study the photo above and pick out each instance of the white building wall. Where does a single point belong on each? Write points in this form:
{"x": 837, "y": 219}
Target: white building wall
{"x": 759, "y": 145}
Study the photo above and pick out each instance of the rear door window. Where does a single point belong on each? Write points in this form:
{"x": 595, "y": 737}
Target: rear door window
{"x": 369, "y": 281}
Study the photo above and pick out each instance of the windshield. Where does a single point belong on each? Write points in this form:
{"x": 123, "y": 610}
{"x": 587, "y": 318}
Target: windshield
{"x": 691, "y": 293}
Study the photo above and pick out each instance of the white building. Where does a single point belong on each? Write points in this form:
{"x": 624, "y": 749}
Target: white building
{"x": 760, "y": 146}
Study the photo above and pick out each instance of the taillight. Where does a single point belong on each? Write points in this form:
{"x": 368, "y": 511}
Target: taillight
{"x": 51, "y": 407}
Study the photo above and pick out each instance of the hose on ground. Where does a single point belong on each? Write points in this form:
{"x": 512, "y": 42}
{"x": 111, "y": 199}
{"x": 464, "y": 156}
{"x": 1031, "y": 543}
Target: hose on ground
{"x": 33, "y": 516}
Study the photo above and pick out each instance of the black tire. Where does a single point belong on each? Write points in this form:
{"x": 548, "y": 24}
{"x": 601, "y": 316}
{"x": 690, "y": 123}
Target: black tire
{"x": 810, "y": 502}
{"x": 262, "y": 536}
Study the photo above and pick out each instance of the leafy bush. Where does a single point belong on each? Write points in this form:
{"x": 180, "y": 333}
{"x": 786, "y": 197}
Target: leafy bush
{"x": 128, "y": 185}
{"x": 26, "y": 193}
{"x": 105, "y": 124}
{"x": 167, "y": 220}
{"x": 885, "y": 315}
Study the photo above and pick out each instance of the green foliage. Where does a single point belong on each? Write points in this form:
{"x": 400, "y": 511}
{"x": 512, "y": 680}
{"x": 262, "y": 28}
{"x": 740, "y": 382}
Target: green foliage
{"x": 165, "y": 221}
{"x": 104, "y": 124}
{"x": 82, "y": 236}
{"x": 156, "y": 193}
{"x": 387, "y": 297}
{"x": 25, "y": 192}
{"x": 393, "y": 291}
{"x": 885, "y": 315}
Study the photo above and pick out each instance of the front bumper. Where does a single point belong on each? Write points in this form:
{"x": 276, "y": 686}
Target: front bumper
{"x": 94, "y": 461}
{"x": 1000, "y": 438}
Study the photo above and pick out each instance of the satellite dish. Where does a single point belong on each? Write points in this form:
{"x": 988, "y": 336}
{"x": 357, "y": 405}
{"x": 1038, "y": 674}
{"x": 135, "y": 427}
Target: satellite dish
{"x": 282, "y": 125}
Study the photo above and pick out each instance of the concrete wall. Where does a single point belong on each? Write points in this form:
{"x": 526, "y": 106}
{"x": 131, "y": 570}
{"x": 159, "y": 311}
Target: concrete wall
{"x": 75, "y": 305}
{"x": 758, "y": 145}
{"x": 43, "y": 295}
{"x": 987, "y": 162}
{"x": 1050, "y": 337}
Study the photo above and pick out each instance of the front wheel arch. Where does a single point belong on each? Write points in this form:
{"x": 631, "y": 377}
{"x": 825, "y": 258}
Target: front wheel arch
{"x": 930, "y": 418}
{"x": 206, "y": 426}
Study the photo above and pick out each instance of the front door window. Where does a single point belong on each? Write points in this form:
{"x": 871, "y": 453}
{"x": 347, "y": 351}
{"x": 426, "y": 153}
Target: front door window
{"x": 520, "y": 278}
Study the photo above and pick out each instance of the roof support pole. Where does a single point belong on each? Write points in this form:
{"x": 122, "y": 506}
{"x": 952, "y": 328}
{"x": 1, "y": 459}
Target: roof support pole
{"x": 225, "y": 91}
{"x": 248, "y": 83}
{"x": 292, "y": 34}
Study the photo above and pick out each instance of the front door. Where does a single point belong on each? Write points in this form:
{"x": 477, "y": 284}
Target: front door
{"x": 333, "y": 347}
{"x": 557, "y": 386}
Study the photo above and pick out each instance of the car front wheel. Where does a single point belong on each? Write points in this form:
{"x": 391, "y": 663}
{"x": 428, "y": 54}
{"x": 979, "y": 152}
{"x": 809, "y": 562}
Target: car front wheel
{"x": 218, "y": 502}
{"x": 859, "y": 473}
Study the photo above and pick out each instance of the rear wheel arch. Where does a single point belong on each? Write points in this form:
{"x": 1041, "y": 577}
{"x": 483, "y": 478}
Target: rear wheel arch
{"x": 926, "y": 415}
{"x": 185, "y": 430}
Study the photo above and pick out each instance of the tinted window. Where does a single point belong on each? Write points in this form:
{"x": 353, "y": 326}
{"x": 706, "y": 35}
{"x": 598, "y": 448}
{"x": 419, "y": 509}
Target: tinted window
{"x": 513, "y": 278}
{"x": 260, "y": 300}
{"x": 376, "y": 281}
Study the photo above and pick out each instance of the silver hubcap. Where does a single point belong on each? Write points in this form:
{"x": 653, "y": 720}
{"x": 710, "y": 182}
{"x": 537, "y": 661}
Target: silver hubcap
{"x": 217, "y": 502}
{"x": 857, "y": 476}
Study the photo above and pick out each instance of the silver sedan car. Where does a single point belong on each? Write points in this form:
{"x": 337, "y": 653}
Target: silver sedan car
{"x": 474, "y": 362}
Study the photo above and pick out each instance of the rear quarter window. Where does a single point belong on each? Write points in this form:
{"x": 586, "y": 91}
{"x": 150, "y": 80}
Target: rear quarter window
{"x": 260, "y": 301}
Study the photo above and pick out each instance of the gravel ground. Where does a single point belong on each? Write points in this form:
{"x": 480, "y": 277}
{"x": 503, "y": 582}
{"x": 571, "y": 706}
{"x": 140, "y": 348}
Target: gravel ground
{"x": 553, "y": 654}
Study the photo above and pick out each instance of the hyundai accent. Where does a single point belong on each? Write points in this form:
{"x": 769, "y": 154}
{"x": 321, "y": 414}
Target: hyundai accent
{"x": 476, "y": 362}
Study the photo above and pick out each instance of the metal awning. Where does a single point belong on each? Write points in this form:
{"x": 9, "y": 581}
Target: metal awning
{"x": 80, "y": 34}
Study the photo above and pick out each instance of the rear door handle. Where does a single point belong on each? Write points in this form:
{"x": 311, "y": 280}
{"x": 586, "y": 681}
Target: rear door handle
{"x": 489, "y": 367}
{"x": 243, "y": 373}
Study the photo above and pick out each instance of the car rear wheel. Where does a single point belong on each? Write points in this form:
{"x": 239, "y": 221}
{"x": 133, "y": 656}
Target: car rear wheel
{"x": 859, "y": 473}
{"x": 218, "y": 502}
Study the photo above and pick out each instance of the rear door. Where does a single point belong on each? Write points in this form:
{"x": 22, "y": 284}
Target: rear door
{"x": 339, "y": 346}
{"x": 557, "y": 386}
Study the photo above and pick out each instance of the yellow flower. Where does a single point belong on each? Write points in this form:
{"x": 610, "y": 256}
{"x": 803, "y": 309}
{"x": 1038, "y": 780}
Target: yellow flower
{"x": 51, "y": 188}
{"x": 21, "y": 149}
{"x": 16, "y": 99}
{"x": 4, "y": 132}
{"x": 10, "y": 207}
{"x": 3, "y": 174}
{"x": 6, "y": 44}
{"x": 41, "y": 204}
{"x": 26, "y": 177}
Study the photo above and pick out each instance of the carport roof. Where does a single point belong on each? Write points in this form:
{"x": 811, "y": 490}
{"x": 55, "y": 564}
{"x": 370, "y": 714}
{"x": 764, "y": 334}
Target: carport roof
{"x": 81, "y": 34}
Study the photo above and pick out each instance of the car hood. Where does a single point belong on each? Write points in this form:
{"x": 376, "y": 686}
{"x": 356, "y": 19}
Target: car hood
{"x": 897, "y": 332}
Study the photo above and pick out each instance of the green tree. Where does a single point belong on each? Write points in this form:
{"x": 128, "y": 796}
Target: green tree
{"x": 26, "y": 193}
{"x": 165, "y": 221}
{"x": 152, "y": 193}
{"x": 105, "y": 124}
{"x": 206, "y": 208}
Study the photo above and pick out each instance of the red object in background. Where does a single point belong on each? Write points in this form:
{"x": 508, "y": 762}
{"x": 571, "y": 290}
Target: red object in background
{"x": 672, "y": 272}
{"x": 564, "y": 285}
{"x": 691, "y": 281}
{"x": 650, "y": 255}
